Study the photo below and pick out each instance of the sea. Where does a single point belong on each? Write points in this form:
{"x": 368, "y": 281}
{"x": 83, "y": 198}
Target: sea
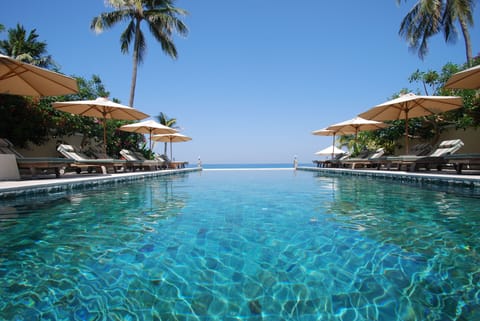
{"x": 253, "y": 165}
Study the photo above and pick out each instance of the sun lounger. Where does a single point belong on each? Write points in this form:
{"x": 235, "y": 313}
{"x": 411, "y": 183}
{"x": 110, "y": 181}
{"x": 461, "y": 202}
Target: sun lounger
{"x": 366, "y": 159}
{"x": 422, "y": 149}
{"x": 346, "y": 160}
{"x": 329, "y": 162}
{"x": 336, "y": 162}
{"x": 139, "y": 161}
{"x": 171, "y": 164}
{"x": 81, "y": 161}
{"x": 435, "y": 159}
{"x": 96, "y": 151}
{"x": 462, "y": 161}
{"x": 33, "y": 164}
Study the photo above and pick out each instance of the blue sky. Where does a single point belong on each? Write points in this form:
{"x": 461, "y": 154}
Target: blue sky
{"x": 253, "y": 78}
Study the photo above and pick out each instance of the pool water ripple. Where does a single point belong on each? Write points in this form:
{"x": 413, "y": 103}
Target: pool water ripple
{"x": 257, "y": 245}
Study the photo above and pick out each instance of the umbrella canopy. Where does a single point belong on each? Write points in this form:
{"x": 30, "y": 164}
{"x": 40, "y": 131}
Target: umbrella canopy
{"x": 171, "y": 138}
{"x": 331, "y": 150}
{"x": 324, "y": 132}
{"x": 101, "y": 108}
{"x": 19, "y": 78}
{"x": 354, "y": 125}
{"x": 410, "y": 106}
{"x": 466, "y": 79}
{"x": 148, "y": 127}
{"x": 327, "y": 132}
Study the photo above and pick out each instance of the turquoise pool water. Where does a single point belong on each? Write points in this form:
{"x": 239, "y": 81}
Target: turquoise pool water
{"x": 242, "y": 245}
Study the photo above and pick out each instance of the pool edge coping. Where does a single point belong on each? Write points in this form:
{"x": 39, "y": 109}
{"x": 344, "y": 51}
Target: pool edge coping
{"x": 436, "y": 178}
{"x": 46, "y": 186}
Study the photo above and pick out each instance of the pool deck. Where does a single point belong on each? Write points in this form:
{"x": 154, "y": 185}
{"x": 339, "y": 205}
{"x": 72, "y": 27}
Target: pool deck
{"x": 445, "y": 177}
{"x": 72, "y": 181}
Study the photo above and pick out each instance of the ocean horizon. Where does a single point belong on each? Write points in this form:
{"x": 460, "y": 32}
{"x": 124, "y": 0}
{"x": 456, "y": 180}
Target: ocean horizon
{"x": 248, "y": 165}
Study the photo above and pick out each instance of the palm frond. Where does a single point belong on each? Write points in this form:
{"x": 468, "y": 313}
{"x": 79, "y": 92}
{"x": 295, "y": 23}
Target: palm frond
{"x": 421, "y": 22}
{"x": 456, "y": 10}
{"x": 161, "y": 17}
{"x": 107, "y": 20}
{"x": 127, "y": 36}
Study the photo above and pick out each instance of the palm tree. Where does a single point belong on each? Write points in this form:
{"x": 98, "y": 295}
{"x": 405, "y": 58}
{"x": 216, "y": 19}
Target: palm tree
{"x": 169, "y": 122}
{"x": 25, "y": 46}
{"x": 162, "y": 20}
{"x": 429, "y": 17}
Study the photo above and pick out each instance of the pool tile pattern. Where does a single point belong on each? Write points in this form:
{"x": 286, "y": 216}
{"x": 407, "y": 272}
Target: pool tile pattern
{"x": 246, "y": 245}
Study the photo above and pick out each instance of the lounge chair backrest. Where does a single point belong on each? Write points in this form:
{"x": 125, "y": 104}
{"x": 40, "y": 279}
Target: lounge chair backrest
{"x": 128, "y": 155}
{"x": 344, "y": 156}
{"x": 165, "y": 158}
{"x": 98, "y": 152}
{"x": 421, "y": 149}
{"x": 339, "y": 156}
{"x": 160, "y": 159}
{"x": 447, "y": 147}
{"x": 140, "y": 156}
{"x": 69, "y": 152}
{"x": 6, "y": 147}
{"x": 378, "y": 153}
{"x": 4, "y": 142}
{"x": 364, "y": 153}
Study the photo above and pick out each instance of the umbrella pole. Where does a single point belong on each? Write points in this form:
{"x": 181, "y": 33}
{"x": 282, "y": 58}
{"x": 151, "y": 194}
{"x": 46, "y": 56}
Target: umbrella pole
{"x": 355, "y": 148}
{"x": 171, "y": 158}
{"x": 406, "y": 132}
{"x": 105, "y": 136}
{"x": 104, "y": 113}
{"x": 150, "y": 140}
{"x": 333, "y": 145}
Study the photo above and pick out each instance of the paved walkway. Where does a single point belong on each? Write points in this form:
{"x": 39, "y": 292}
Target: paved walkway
{"x": 72, "y": 181}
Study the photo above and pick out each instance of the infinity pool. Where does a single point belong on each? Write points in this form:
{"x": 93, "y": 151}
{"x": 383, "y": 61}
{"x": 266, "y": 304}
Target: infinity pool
{"x": 242, "y": 245}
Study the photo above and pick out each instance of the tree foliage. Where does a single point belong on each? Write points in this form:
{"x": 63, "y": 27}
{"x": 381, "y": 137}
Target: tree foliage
{"x": 26, "y": 120}
{"x": 430, "y": 17}
{"x": 162, "y": 19}
{"x": 26, "y": 47}
{"x": 166, "y": 121}
{"x": 426, "y": 128}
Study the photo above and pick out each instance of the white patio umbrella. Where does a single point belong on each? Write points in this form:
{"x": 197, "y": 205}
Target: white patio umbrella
{"x": 326, "y": 132}
{"x": 466, "y": 79}
{"x": 410, "y": 106}
{"x": 100, "y": 108}
{"x": 354, "y": 125}
{"x": 171, "y": 138}
{"x": 19, "y": 78}
{"x": 357, "y": 124}
{"x": 150, "y": 127}
{"x": 330, "y": 150}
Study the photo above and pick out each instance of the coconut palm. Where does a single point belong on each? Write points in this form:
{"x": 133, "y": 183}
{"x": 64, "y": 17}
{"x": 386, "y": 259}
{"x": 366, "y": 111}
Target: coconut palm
{"x": 25, "y": 46}
{"x": 429, "y": 17}
{"x": 169, "y": 122}
{"x": 162, "y": 19}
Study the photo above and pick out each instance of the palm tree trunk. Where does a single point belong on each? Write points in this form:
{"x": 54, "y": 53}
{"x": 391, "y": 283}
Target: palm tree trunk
{"x": 468, "y": 42}
{"x": 135, "y": 63}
